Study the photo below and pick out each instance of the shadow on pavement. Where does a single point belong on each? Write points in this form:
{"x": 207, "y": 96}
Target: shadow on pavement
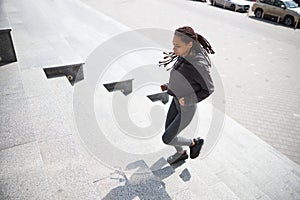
{"x": 145, "y": 183}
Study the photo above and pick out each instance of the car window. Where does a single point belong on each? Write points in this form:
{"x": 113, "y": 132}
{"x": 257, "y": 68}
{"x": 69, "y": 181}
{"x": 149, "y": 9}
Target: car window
{"x": 278, "y": 3}
{"x": 270, "y": 2}
{"x": 291, "y": 4}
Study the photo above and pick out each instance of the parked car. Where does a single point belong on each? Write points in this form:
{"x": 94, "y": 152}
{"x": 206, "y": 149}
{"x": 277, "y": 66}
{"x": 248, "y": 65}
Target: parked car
{"x": 287, "y": 11}
{"x": 236, "y": 5}
{"x": 200, "y": 0}
{"x": 298, "y": 2}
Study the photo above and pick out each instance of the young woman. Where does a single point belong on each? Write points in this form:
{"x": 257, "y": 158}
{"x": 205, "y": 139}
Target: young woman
{"x": 190, "y": 82}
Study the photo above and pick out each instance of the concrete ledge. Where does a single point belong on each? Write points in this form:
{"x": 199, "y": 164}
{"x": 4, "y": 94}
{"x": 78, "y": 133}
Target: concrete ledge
{"x": 73, "y": 72}
{"x": 7, "y": 51}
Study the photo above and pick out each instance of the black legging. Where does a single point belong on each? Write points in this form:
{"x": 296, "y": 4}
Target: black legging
{"x": 178, "y": 118}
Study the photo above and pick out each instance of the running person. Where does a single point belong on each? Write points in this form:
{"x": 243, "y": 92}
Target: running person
{"x": 190, "y": 82}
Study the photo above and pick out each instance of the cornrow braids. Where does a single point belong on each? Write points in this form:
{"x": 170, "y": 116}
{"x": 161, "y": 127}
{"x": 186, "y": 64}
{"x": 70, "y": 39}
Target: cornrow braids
{"x": 187, "y": 34}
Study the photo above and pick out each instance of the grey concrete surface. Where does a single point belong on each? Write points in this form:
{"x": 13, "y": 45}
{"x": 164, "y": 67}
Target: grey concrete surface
{"x": 43, "y": 156}
{"x": 257, "y": 59}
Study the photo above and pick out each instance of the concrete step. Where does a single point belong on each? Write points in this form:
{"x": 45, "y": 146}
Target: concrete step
{"x": 219, "y": 163}
{"x": 272, "y": 161}
{"x": 46, "y": 162}
{"x": 268, "y": 174}
{"x": 55, "y": 33}
{"x": 15, "y": 129}
{"x": 210, "y": 181}
{"x": 264, "y": 166}
{"x": 38, "y": 43}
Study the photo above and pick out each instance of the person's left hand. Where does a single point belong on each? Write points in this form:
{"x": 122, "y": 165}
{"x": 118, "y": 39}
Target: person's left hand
{"x": 181, "y": 101}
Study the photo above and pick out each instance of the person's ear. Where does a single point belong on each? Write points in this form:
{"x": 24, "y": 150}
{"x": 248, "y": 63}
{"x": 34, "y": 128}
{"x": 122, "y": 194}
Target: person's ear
{"x": 190, "y": 44}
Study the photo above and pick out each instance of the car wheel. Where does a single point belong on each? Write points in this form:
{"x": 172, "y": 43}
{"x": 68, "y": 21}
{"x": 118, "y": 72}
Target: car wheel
{"x": 258, "y": 13}
{"x": 232, "y": 7}
{"x": 288, "y": 20}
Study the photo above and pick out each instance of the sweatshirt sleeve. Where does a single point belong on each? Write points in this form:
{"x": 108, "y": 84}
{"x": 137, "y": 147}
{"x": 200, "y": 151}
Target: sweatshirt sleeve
{"x": 203, "y": 78}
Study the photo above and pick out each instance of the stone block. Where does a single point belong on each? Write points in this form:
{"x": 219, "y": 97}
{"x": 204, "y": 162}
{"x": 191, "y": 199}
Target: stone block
{"x": 239, "y": 183}
{"x": 20, "y": 159}
{"x": 70, "y": 182}
{"x": 28, "y": 185}
{"x": 223, "y": 192}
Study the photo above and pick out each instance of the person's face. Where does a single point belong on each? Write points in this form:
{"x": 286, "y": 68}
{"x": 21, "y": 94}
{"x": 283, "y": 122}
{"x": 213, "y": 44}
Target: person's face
{"x": 180, "y": 48}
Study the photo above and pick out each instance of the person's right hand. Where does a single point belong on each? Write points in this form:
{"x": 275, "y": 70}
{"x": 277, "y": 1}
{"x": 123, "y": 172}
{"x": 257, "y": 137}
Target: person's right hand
{"x": 163, "y": 87}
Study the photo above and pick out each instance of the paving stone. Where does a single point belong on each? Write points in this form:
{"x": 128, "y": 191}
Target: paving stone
{"x": 50, "y": 120}
{"x": 273, "y": 186}
{"x": 9, "y": 189}
{"x": 199, "y": 188}
{"x": 30, "y": 78}
{"x": 20, "y": 159}
{"x": 173, "y": 182}
{"x": 96, "y": 169}
{"x": 13, "y": 105}
{"x": 257, "y": 176}
{"x": 44, "y": 108}
{"x": 185, "y": 194}
{"x": 70, "y": 182}
{"x": 215, "y": 162}
{"x": 209, "y": 195}
{"x": 21, "y": 134}
{"x": 278, "y": 190}
{"x": 237, "y": 155}
{"x": 265, "y": 197}
{"x": 240, "y": 184}
{"x": 203, "y": 171}
{"x": 223, "y": 192}
{"x": 10, "y": 80}
{"x": 49, "y": 130}
{"x": 28, "y": 185}
{"x": 57, "y": 153}
{"x": 11, "y": 86}
{"x": 272, "y": 165}
{"x": 265, "y": 156}
{"x": 63, "y": 91}
{"x": 15, "y": 129}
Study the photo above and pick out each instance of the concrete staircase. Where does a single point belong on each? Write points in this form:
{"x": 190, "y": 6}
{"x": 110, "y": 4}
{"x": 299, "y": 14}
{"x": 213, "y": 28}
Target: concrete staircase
{"x": 43, "y": 157}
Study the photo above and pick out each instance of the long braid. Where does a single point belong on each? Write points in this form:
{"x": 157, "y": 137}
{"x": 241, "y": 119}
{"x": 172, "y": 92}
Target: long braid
{"x": 205, "y": 44}
{"x": 187, "y": 34}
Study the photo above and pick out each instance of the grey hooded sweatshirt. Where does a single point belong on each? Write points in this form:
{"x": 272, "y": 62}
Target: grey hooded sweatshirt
{"x": 190, "y": 78}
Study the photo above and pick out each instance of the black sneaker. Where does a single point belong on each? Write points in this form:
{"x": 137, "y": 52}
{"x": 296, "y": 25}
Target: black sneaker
{"x": 195, "y": 150}
{"x": 177, "y": 157}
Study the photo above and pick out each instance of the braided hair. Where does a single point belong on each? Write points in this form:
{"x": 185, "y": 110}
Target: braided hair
{"x": 187, "y": 34}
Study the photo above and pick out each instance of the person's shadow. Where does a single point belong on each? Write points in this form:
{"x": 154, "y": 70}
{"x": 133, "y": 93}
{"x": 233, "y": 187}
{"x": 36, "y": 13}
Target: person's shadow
{"x": 146, "y": 182}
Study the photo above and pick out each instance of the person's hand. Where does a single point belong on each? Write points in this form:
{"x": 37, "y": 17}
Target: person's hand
{"x": 181, "y": 101}
{"x": 163, "y": 87}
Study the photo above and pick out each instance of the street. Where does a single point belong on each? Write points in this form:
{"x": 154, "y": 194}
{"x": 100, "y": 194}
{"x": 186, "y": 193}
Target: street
{"x": 258, "y": 61}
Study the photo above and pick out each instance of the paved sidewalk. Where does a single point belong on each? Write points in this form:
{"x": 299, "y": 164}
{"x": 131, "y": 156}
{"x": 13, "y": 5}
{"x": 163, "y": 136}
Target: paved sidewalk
{"x": 43, "y": 156}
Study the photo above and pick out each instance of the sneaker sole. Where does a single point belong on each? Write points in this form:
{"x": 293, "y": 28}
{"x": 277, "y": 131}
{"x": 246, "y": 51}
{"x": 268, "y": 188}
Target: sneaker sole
{"x": 181, "y": 158}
